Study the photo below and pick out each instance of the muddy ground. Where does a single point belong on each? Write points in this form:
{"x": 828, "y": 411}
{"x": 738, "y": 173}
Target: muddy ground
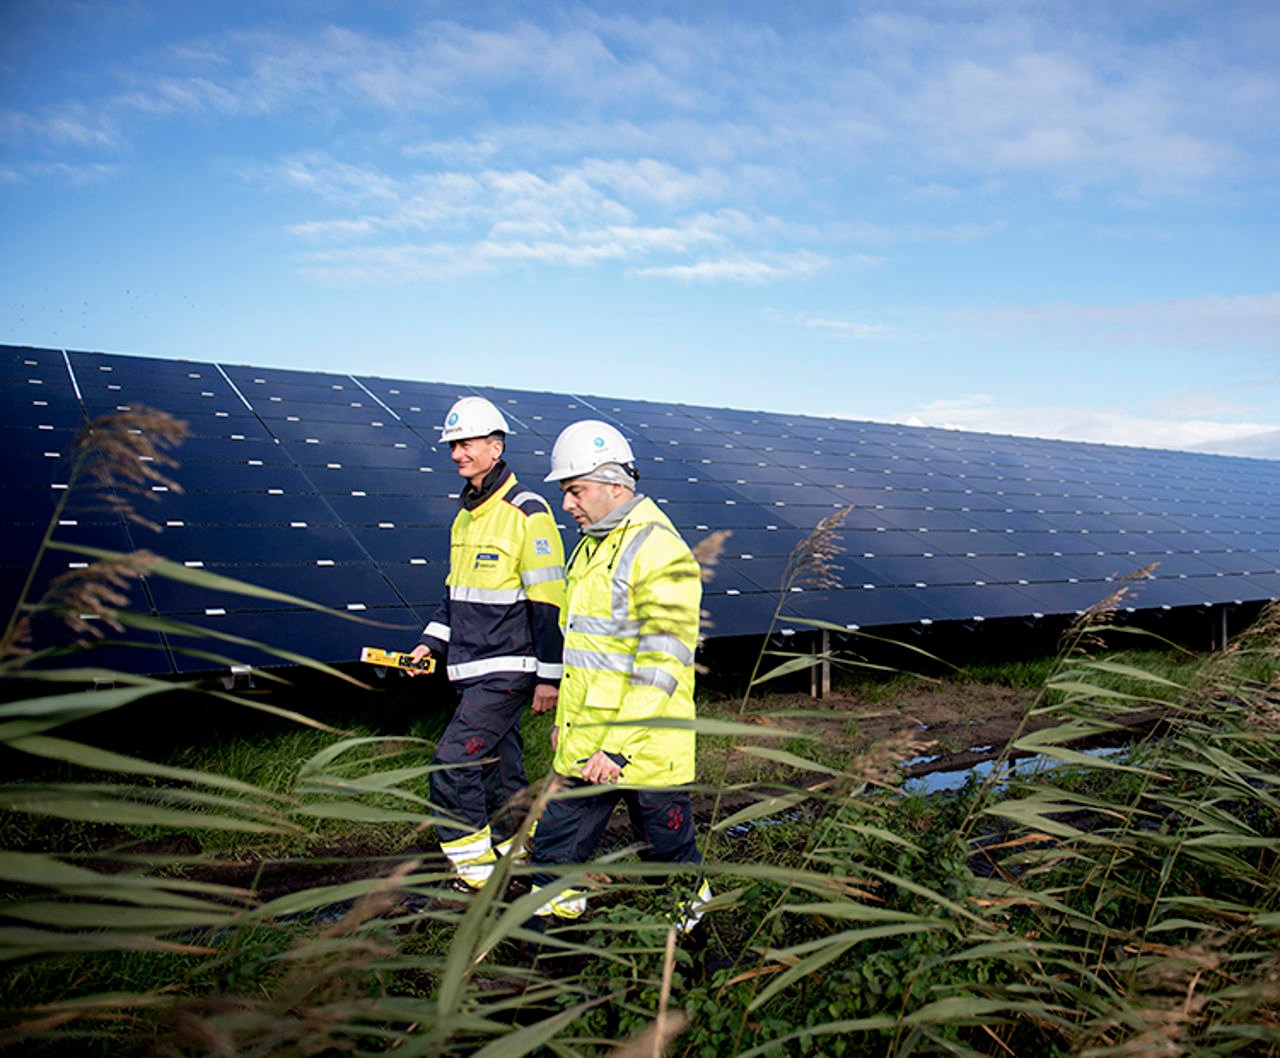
{"x": 934, "y": 728}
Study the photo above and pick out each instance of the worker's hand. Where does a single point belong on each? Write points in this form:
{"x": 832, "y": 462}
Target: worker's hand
{"x": 601, "y": 769}
{"x": 418, "y": 653}
{"x": 544, "y": 697}
{"x": 555, "y": 738}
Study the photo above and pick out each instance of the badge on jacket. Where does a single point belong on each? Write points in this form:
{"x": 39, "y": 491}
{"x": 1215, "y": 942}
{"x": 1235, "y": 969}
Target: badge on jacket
{"x": 487, "y": 558}
{"x": 541, "y": 546}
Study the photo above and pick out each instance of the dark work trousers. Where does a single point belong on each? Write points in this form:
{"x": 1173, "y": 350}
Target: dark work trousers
{"x": 485, "y": 727}
{"x": 661, "y": 819}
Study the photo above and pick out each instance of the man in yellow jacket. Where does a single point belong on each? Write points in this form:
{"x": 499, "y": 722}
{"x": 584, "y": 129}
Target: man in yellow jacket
{"x": 498, "y": 627}
{"x": 630, "y": 620}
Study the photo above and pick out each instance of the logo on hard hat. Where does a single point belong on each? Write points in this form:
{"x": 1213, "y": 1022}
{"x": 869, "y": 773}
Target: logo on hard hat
{"x": 599, "y": 442}
{"x": 453, "y": 419}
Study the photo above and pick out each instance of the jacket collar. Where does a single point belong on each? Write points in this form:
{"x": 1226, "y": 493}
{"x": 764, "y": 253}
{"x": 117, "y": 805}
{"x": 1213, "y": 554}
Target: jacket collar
{"x": 613, "y": 519}
{"x": 472, "y": 497}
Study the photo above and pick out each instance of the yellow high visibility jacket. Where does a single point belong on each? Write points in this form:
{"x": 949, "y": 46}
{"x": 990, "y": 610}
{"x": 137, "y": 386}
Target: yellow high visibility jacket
{"x": 630, "y": 630}
{"x": 501, "y": 613}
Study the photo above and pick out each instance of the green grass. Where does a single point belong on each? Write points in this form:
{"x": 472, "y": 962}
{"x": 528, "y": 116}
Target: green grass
{"x": 1102, "y": 907}
{"x": 860, "y": 923}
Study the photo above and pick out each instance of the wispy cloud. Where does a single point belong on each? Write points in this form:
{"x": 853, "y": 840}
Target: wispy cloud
{"x": 571, "y": 216}
{"x": 389, "y": 265}
{"x": 59, "y": 172}
{"x": 983, "y": 413}
{"x": 73, "y": 125}
{"x": 739, "y": 269}
{"x": 648, "y": 179}
{"x": 1068, "y": 97}
{"x": 851, "y": 330}
{"x": 1054, "y": 113}
{"x": 1244, "y": 320}
{"x": 328, "y": 179}
{"x": 691, "y": 150}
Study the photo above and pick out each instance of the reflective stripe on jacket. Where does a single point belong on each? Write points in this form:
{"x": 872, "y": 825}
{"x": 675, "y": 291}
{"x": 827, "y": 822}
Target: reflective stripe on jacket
{"x": 504, "y": 591}
{"x": 630, "y": 630}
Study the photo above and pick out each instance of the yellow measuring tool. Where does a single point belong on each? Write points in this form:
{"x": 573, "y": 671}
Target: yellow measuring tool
{"x": 396, "y": 659}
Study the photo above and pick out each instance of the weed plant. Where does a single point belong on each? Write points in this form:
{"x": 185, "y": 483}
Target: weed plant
{"x": 1078, "y": 906}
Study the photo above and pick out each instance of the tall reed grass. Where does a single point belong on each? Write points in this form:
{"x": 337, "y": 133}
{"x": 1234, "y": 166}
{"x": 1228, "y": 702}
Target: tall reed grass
{"x": 1081, "y": 905}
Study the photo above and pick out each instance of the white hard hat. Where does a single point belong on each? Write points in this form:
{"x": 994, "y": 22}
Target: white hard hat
{"x": 472, "y": 417}
{"x": 583, "y": 446}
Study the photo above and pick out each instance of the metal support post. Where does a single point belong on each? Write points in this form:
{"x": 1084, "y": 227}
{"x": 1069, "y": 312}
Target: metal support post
{"x": 820, "y": 674}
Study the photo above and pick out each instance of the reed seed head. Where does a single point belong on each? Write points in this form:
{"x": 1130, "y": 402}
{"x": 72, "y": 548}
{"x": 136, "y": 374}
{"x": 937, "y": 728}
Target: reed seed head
{"x": 120, "y": 456}
{"x": 812, "y": 562}
{"x": 97, "y": 593}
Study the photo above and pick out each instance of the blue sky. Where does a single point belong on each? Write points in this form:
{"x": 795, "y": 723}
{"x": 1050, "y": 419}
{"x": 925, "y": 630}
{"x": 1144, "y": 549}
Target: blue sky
{"x": 1053, "y": 219}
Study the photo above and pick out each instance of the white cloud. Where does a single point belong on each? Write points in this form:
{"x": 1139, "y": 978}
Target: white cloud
{"x": 983, "y": 414}
{"x": 1069, "y": 95}
{"x": 390, "y": 265}
{"x": 739, "y": 269}
{"x": 1264, "y": 445}
{"x": 576, "y": 255}
{"x": 566, "y": 216}
{"x": 330, "y": 180}
{"x": 455, "y": 152}
{"x": 1195, "y": 406}
{"x": 319, "y": 230}
{"x": 646, "y": 178}
{"x": 67, "y": 125}
{"x": 1056, "y": 113}
{"x": 851, "y": 330}
{"x": 642, "y": 240}
{"x": 1213, "y": 321}
{"x": 60, "y": 172}
{"x": 697, "y": 149}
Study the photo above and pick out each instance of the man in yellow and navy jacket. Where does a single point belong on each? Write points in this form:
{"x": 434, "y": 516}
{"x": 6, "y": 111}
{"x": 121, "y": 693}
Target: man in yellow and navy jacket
{"x": 633, "y": 597}
{"x": 498, "y": 627}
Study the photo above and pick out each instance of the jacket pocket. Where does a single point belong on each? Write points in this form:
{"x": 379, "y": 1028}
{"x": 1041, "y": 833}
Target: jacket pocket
{"x": 595, "y": 690}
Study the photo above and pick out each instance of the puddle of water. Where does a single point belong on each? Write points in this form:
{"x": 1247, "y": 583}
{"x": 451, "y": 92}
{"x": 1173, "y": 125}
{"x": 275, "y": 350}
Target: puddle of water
{"x": 988, "y": 748}
{"x": 741, "y": 830}
{"x": 939, "y": 781}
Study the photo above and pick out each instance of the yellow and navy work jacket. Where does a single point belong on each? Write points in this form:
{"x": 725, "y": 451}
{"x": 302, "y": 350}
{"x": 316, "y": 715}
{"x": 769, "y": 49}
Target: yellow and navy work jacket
{"x": 501, "y": 612}
{"x": 630, "y": 630}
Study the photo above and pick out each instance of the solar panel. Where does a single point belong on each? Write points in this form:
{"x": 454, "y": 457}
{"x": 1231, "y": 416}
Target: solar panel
{"x": 305, "y": 633}
{"x": 215, "y": 546}
{"x": 420, "y": 585}
{"x": 408, "y": 511}
{"x": 344, "y": 586}
{"x": 336, "y": 488}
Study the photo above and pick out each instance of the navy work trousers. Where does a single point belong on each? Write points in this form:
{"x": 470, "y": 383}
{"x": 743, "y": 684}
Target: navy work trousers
{"x": 661, "y": 820}
{"x": 482, "y": 743}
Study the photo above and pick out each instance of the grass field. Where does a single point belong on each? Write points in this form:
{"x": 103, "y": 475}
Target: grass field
{"x": 231, "y": 895}
{"x": 190, "y": 870}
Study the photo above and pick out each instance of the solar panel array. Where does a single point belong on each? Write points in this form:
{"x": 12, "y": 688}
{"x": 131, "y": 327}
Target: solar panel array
{"x": 335, "y": 489}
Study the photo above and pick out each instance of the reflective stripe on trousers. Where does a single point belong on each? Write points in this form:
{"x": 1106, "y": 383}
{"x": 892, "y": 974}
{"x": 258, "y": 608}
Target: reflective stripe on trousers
{"x": 472, "y": 857}
{"x": 469, "y": 670}
{"x": 569, "y": 903}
